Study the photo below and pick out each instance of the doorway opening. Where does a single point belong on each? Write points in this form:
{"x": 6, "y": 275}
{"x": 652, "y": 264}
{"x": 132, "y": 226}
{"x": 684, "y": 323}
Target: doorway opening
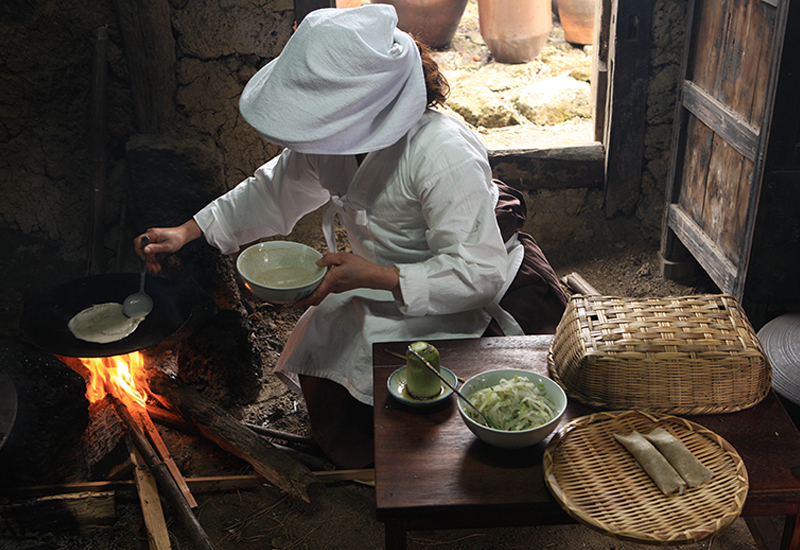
{"x": 540, "y": 104}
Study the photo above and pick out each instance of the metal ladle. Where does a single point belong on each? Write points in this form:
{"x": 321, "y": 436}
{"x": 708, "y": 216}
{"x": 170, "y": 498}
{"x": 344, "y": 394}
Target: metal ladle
{"x": 139, "y": 304}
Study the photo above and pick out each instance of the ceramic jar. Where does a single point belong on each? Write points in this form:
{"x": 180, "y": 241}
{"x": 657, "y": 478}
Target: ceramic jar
{"x": 577, "y": 20}
{"x": 432, "y": 22}
{"x": 515, "y": 31}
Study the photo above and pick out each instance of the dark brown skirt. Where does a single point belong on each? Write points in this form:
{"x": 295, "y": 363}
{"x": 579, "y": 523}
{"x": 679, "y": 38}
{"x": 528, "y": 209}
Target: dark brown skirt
{"x": 535, "y": 298}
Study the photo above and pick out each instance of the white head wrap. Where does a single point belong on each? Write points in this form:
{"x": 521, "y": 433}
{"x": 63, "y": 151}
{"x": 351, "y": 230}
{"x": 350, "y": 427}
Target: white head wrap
{"x": 347, "y": 82}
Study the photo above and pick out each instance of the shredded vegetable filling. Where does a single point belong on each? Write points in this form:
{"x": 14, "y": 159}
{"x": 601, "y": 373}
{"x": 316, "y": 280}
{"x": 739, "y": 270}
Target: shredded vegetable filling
{"x": 513, "y": 405}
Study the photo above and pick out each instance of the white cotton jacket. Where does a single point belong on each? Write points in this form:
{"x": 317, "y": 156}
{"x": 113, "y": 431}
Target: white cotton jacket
{"x": 425, "y": 204}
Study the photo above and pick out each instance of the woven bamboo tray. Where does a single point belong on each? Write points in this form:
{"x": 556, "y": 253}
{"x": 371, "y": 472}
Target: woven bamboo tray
{"x": 596, "y": 480}
{"x": 676, "y": 355}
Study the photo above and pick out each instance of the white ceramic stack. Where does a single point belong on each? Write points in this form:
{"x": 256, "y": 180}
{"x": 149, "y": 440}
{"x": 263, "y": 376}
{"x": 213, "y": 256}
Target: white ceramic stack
{"x": 780, "y": 339}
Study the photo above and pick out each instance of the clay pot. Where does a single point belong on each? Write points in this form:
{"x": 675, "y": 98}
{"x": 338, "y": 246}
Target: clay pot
{"x": 577, "y": 20}
{"x": 432, "y": 22}
{"x": 515, "y": 31}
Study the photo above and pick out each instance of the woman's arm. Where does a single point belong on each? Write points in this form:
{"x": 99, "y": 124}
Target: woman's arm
{"x": 165, "y": 240}
{"x": 350, "y": 271}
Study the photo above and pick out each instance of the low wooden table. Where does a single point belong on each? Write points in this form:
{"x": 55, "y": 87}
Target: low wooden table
{"x": 432, "y": 473}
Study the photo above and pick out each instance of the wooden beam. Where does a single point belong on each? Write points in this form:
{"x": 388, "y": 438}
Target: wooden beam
{"x": 723, "y": 120}
{"x": 561, "y": 168}
{"x": 602, "y": 26}
{"x": 707, "y": 253}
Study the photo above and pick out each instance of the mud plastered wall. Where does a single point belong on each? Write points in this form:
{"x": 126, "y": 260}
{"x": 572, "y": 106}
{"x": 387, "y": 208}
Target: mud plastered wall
{"x": 48, "y": 50}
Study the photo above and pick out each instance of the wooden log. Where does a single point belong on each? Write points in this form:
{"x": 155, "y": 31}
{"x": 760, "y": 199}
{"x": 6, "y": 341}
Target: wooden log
{"x": 163, "y": 452}
{"x": 103, "y": 440}
{"x": 169, "y": 418}
{"x": 157, "y": 532}
{"x": 207, "y": 484}
{"x": 165, "y": 482}
{"x": 578, "y": 284}
{"x": 74, "y": 513}
{"x": 223, "y": 429}
{"x": 311, "y": 461}
{"x": 172, "y": 420}
{"x": 278, "y": 434}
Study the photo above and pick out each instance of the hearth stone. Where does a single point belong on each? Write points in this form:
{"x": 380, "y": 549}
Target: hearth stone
{"x": 52, "y": 413}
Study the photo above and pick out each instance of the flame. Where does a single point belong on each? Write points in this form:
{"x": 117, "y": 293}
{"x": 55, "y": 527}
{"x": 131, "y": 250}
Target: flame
{"x": 116, "y": 375}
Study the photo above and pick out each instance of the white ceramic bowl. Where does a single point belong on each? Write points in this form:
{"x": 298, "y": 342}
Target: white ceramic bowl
{"x": 506, "y": 439}
{"x": 280, "y": 272}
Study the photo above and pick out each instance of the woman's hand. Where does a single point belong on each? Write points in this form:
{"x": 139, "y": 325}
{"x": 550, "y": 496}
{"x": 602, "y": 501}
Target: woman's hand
{"x": 165, "y": 240}
{"x": 350, "y": 271}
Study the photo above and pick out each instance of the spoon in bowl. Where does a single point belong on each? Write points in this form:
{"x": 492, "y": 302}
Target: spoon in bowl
{"x": 139, "y": 304}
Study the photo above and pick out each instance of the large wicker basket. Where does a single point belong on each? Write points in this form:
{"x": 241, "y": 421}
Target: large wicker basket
{"x": 676, "y": 355}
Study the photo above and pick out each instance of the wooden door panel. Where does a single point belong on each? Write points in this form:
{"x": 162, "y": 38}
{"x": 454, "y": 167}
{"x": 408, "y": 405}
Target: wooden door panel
{"x": 692, "y": 197}
{"x": 701, "y": 69}
{"x": 744, "y": 89}
{"x": 722, "y": 218}
{"x": 721, "y": 132}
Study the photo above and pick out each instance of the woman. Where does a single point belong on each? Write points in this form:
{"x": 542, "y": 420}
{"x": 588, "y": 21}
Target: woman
{"x": 350, "y": 98}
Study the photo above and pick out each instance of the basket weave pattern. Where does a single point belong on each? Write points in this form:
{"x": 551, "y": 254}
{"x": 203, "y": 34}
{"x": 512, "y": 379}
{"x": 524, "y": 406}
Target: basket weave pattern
{"x": 596, "y": 480}
{"x": 676, "y": 355}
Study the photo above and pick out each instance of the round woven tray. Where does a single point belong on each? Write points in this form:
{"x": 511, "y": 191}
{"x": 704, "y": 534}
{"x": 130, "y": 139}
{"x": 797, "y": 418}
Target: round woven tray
{"x": 596, "y": 480}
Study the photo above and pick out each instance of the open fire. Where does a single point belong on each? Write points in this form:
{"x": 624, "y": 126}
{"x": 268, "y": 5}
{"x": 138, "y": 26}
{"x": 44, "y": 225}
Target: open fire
{"x": 122, "y": 376}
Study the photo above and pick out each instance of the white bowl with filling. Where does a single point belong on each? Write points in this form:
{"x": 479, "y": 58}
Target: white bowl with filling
{"x": 520, "y": 423}
{"x": 280, "y": 272}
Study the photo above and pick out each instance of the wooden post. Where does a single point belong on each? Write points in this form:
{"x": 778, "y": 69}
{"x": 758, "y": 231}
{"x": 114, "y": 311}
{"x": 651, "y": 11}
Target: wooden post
{"x": 99, "y": 156}
{"x": 150, "y": 51}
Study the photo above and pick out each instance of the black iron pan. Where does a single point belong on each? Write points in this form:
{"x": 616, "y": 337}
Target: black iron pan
{"x": 45, "y": 317}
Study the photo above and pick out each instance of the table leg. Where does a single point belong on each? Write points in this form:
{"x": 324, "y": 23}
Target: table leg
{"x": 791, "y": 533}
{"x": 395, "y": 535}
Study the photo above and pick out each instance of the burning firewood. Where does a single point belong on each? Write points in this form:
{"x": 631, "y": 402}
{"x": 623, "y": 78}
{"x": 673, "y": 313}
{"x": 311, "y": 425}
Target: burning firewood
{"x": 226, "y": 431}
{"x": 164, "y": 480}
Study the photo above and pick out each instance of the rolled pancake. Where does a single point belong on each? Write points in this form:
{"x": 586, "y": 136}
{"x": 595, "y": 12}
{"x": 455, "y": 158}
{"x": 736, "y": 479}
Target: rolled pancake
{"x": 653, "y": 462}
{"x": 103, "y": 323}
{"x": 685, "y": 463}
